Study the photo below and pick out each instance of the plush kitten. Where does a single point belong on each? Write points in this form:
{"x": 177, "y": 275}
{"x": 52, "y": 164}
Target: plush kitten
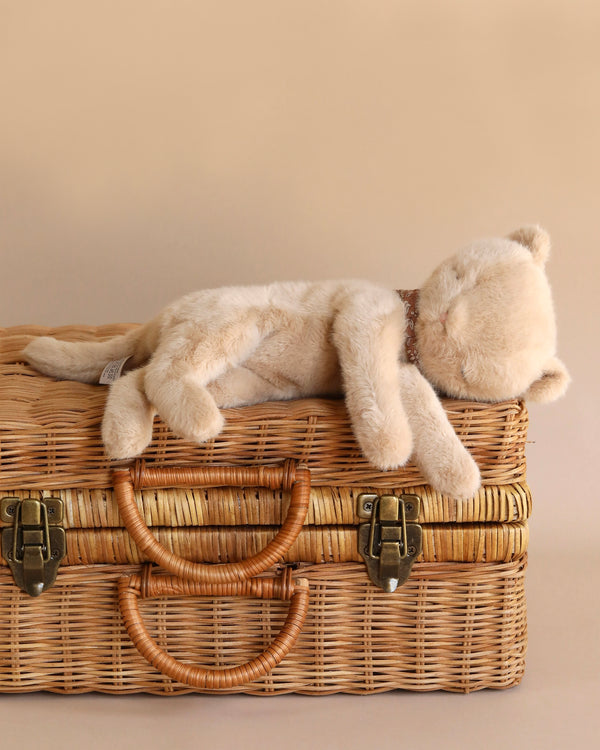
{"x": 485, "y": 330}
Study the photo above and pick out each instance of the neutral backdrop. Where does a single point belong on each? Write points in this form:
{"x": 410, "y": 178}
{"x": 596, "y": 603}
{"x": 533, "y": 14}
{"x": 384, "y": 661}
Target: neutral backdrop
{"x": 149, "y": 148}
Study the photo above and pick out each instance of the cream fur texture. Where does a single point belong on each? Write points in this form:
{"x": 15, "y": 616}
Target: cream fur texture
{"x": 486, "y": 331}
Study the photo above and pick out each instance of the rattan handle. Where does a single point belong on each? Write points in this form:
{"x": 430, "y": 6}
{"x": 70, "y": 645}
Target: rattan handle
{"x": 287, "y": 477}
{"x": 132, "y": 588}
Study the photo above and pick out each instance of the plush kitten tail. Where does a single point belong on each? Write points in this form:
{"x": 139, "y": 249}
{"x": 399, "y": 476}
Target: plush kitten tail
{"x": 85, "y": 360}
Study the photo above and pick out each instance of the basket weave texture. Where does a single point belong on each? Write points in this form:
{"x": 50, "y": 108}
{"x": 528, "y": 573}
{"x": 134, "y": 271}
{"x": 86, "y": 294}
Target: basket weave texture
{"x": 458, "y": 628}
{"x": 50, "y": 432}
{"x": 230, "y": 524}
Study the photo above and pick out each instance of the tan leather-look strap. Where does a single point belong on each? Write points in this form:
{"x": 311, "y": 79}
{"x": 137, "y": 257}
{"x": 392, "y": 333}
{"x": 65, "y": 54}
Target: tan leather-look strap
{"x": 287, "y": 477}
{"x": 132, "y": 588}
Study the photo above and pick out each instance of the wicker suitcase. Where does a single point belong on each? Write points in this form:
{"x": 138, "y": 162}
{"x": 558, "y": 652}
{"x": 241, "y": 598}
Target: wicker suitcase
{"x": 273, "y": 559}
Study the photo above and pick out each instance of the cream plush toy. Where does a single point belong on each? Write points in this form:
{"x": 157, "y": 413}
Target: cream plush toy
{"x": 485, "y": 331}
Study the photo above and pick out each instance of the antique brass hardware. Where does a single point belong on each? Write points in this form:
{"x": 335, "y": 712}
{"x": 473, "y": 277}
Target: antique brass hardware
{"x": 392, "y": 540}
{"x": 34, "y": 544}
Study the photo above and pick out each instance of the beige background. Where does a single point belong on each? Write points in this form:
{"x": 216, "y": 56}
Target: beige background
{"x": 149, "y": 148}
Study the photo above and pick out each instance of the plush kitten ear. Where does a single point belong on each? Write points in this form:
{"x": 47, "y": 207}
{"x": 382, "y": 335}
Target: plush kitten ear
{"x": 551, "y": 385}
{"x": 535, "y": 239}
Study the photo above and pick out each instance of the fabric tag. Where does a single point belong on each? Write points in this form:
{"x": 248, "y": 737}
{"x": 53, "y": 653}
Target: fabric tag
{"x": 112, "y": 371}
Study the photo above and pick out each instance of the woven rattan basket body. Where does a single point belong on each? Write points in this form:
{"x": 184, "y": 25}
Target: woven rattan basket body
{"x": 254, "y": 569}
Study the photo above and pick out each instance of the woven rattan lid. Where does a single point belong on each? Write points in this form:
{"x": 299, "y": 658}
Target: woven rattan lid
{"x": 50, "y": 432}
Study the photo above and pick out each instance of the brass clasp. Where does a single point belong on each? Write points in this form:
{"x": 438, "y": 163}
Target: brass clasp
{"x": 34, "y": 544}
{"x": 391, "y": 541}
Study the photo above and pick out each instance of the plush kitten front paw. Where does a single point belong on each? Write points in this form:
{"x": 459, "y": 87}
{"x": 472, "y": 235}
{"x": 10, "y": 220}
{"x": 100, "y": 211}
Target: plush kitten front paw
{"x": 128, "y": 418}
{"x": 387, "y": 449}
{"x": 456, "y": 475}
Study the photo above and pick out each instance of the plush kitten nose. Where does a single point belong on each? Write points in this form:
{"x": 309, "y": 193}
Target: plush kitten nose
{"x": 444, "y": 318}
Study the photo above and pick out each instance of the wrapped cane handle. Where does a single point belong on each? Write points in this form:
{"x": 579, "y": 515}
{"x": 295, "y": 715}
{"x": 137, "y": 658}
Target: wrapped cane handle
{"x": 287, "y": 477}
{"x": 132, "y": 588}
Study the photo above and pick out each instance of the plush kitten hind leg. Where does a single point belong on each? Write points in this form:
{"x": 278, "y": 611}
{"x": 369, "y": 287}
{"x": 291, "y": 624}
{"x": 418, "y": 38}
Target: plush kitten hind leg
{"x": 177, "y": 377}
{"x": 128, "y": 417}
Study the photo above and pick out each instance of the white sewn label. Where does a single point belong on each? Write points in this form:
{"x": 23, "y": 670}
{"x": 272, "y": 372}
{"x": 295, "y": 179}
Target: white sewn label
{"x": 112, "y": 371}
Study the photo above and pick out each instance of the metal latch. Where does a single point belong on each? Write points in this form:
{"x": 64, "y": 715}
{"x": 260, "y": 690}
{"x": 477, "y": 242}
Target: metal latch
{"x": 34, "y": 544}
{"x": 391, "y": 542}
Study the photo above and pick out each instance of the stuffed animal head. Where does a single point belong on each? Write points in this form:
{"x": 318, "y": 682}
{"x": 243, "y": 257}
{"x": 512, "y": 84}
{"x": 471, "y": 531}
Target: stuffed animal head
{"x": 486, "y": 328}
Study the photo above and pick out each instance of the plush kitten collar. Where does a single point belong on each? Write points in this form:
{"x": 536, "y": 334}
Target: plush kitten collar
{"x": 410, "y": 298}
